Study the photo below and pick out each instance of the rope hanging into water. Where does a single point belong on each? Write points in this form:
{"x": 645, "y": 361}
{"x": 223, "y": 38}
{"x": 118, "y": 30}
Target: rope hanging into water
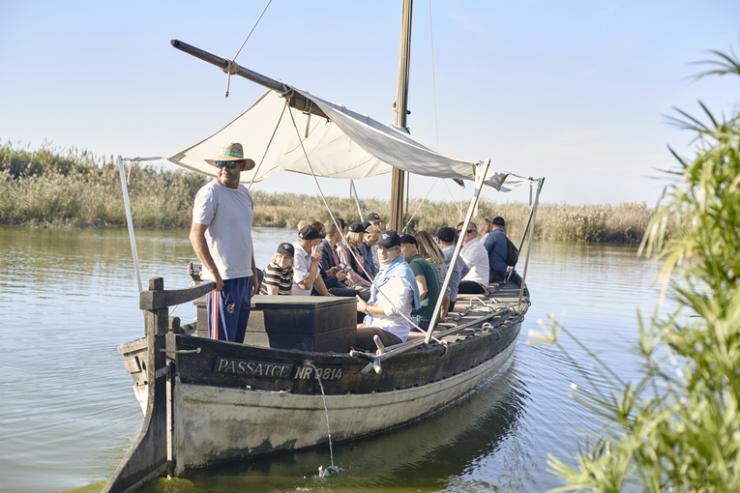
{"x": 231, "y": 67}
{"x": 336, "y": 223}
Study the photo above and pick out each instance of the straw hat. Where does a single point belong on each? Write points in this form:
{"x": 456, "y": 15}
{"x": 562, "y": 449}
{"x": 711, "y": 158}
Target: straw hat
{"x": 233, "y": 152}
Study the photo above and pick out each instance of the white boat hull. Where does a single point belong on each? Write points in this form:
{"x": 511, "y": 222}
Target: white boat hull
{"x": 213, "y": 424}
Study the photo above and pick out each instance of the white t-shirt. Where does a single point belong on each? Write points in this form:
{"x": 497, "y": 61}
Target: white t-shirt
{"x": 301, "y": 265}
{"x": 228, "y": 214}
{"x": 395, "y": 297}
{"x": 475, "y": 255}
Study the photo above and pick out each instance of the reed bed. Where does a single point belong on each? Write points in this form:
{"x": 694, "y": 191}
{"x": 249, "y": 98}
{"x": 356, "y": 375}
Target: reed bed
{"x": 52, "y": 187}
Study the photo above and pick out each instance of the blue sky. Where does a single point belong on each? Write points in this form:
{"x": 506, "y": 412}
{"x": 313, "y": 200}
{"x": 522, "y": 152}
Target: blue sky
{"x": 575, "y": 91}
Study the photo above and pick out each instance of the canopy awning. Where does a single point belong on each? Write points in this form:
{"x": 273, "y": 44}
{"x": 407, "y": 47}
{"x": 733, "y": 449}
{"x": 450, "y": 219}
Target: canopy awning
{"x": 347, "y": 145}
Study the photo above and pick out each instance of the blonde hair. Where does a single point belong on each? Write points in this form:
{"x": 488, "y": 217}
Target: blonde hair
{"x": 428, "y": 248}
{"x": 355, "y": 239}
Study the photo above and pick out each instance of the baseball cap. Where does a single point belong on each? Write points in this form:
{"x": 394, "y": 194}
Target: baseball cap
{"x": 357, "y": 228}
{"x": 389, "y": 239}
{"x": 308, "y": 232}
{"x": 286, "y": 249}
{"x": 498, "y": 221}
{"x": 408, "y": 239}
{"x": 374, "y": 216}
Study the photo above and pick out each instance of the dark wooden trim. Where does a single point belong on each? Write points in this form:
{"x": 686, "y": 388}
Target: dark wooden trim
{"x": 154, "y": 300}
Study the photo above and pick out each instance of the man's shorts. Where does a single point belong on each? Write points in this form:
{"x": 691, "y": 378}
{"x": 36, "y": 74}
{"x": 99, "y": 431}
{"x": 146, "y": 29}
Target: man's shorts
{"x": 228, "y": 310}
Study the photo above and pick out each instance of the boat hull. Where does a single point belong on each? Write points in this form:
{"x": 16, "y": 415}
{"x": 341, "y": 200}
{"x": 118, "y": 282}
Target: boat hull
{"x": 215, "y": 424}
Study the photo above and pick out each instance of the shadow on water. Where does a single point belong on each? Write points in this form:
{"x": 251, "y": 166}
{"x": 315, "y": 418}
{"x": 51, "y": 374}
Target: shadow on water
{"x": 422, "y": 457}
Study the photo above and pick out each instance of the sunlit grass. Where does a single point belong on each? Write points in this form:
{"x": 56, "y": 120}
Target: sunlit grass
{"x": 52, "y": 187}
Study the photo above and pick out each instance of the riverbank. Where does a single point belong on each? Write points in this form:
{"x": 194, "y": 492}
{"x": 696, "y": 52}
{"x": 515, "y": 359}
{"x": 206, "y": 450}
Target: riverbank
{"x": 55, "y": 188}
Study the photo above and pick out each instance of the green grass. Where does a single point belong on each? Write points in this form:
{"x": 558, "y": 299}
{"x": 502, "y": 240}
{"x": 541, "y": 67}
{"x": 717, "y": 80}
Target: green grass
{"x": 52, "y": 187}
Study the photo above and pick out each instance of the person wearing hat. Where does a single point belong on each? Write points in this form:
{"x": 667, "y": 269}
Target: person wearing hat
{"x": 427, "y": 279}
{"x": 221, "y": 235}
{"x": 497, "y": 247}
{"x": 279, "y": 273}
{"x": 393, "y": 295}
{"x": 306, "y": 275}
{"x": 446, "y": 238}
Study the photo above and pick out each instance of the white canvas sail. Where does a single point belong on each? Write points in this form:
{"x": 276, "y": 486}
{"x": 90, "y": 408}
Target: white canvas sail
{"x": 347, "y": 145}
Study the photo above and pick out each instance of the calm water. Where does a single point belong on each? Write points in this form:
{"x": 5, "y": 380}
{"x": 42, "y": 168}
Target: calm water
{"x": 67, "y": 413}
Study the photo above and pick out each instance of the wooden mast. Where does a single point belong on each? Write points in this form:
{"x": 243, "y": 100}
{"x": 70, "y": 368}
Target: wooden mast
{"x": 395, "y": 221}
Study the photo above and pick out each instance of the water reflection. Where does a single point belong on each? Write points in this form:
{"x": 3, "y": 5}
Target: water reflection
{"x": 67, "y": 413}
{"x": 428, "y": 456}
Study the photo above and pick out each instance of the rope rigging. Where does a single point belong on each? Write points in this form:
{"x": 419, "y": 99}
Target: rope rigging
{"x": 231, "y": 68}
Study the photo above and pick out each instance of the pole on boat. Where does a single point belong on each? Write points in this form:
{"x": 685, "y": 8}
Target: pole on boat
{"x": 295, "y": 99}
{"x": 395, "y": 221}
{"x": 531, "y": 225}
{"x": 353, "y": 194}
{"x": 480, "y": 178}
{"x": 129, "y": 220}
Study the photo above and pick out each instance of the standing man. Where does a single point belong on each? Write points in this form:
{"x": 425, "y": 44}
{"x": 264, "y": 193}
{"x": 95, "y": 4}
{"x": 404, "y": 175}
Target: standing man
{"x": 427, "y": 279}
{"x": 221, "y": 235}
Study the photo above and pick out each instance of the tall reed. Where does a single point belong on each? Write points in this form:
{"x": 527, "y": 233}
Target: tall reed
{"x": 51, "y": 187}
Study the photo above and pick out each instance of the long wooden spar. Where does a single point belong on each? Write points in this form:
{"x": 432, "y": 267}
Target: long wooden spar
{"x": 296, "y": 100}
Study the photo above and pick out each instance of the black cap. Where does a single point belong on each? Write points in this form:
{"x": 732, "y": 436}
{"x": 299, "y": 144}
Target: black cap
{"x": 357, "y": 228}
{"x": 308, "y": 232}
{"x": 389, "y": 239}
{"x": 408, "y": 239}
{"x": 286, "y": 249}
{"x": 374, "y": 216}
{"x": 446, "y": 234}
{"x": 498, "y": 221}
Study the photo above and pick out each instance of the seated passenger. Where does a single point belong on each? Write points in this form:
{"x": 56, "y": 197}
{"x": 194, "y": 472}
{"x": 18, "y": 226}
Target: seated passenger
{"x": 394, "y": 294}
{"x": 430, "y": 251}
{"x": 306, "y": 278}
{"x": 497, "y": 248}
{"x": 278, "y": 277}
{"x": 446, "y": 241}
{"x": 349, "y": 253}
{"x": 475, "y": 256}
{"x": 366, "y": 249}
{"x": 426, "y": 278}
{"x": 332, "y": 275}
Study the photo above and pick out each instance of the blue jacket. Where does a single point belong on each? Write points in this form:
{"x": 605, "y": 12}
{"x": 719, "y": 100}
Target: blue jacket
{"x": 497, "y": 250}
{"x": 367, "y": 259}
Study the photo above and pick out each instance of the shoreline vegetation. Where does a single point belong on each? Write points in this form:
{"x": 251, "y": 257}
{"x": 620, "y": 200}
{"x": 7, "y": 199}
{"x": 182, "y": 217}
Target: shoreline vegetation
{"x": 49, "y": 187}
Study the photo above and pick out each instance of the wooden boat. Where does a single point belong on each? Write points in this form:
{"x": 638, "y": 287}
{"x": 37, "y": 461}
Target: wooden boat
{"x": 208, "y": 401}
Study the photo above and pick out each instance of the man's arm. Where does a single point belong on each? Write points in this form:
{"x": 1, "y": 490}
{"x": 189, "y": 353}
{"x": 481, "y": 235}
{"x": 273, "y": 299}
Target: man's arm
{"x": 255, "y": 279}
{"x": 200, "y": 247}
{"x": 421, "y": 281}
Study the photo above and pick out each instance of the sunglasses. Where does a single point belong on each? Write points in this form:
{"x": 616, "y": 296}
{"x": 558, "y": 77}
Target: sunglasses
{"x": 227, "y": 164}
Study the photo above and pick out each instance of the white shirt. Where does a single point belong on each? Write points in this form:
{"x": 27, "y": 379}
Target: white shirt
{"x": 301, "y": 266}
{"x": 475, "y": 255}
{"x": 228, "y": 214}
{"x": 395, "y": 297}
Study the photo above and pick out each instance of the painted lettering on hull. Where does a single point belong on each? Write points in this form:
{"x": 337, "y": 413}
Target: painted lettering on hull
{"x": 251, "y": 368}
{"x": 269, "y": 369}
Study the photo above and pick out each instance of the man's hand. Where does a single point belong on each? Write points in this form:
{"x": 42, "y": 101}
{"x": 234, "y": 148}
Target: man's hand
{"x": 332, "y": 271}
{"x": 217, "y": 279}
{"x": 255, "y": 284}
{"x": 316, "y": 252}
{"x": 361, "y": 305}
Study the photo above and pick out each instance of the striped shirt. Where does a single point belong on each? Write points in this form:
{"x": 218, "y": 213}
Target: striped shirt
{"x": 275, "y": 276}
